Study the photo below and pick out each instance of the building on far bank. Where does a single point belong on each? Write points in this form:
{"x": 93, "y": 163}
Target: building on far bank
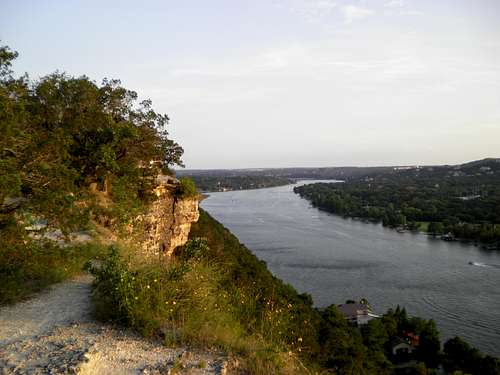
{"x": 357, "y": 313}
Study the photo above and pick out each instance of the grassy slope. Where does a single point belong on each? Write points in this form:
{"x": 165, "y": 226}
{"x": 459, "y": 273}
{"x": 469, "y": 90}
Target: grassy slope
{"x": 213, "y": 294}
{"x": 318, "y": 339}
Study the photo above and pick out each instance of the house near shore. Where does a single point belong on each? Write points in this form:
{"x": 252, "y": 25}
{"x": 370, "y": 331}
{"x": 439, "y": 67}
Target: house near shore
{"x": 401, "y": 347}
{"x": 357, "y": 313}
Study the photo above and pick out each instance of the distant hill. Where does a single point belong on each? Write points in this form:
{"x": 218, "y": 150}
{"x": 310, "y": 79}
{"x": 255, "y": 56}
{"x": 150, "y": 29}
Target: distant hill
{"x": 349, "y": 172}
{"x": 493, "y": 163}
{"x": 294, "y": 173}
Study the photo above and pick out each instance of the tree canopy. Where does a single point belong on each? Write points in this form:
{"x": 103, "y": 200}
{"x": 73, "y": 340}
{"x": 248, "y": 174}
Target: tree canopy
{"x": 62, "y": 133}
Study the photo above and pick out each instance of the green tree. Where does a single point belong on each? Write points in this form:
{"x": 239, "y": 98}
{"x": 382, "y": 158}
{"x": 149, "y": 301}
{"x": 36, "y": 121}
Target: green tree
{"x": 430, "y": 345}
{"x": 436, "y": 228}
{"x": 13, "y": 140}
{"x": 375, "y": 335}
{"x": 458, "y": 355}
{"x": 342, "y": 348}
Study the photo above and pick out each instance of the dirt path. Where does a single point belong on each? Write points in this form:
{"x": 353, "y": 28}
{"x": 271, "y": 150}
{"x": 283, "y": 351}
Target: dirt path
{"x": 54, "y": 333}
{"x": 61, "y": 305}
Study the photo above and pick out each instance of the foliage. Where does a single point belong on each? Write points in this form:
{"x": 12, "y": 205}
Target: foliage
{"x": 460, "y": 356}
{"x": 61, "y": 134}
{"x": 184, "y": 301}
{"x": 342, "y": 347}
{"x": 464, "y": 203}
{"x": 27, "y": 266}
{"x": 156, "y": 298}
{"x": 72, "y": 152}
{"x": 186, "y": 188}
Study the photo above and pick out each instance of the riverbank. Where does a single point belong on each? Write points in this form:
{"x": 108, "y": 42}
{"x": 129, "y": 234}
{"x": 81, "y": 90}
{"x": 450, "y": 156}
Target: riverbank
{"x": 416, "y": 203}
{"x": 422, "y": 229}
{"x": 336, "y": 259}
{"x": 216, "y": 183}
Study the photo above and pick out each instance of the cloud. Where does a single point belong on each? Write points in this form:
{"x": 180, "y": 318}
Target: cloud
{"x": 395, "y": 4}
{"x": 411, "y": 13}
{"x": 352, "y": 13}
{"x": 271, "y": 60}
{"x": 313, "y": 10}
{"x": 398, "y": 7}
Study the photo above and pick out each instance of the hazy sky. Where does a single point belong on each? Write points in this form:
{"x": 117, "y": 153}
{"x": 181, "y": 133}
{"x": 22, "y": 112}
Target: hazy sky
{"x": 272, "y": 83}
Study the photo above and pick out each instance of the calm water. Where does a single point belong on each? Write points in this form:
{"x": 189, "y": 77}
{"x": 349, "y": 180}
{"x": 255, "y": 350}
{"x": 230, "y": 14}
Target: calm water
{"x": 336, "y": 259}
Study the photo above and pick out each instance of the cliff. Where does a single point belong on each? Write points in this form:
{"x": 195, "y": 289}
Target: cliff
{"x": 167, "y": 223}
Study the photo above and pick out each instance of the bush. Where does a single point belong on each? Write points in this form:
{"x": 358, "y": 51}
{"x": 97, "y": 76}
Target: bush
{"x": 154, "y": 298}
{"x": 27, "y": 266}
{"x": 186, "y": 188}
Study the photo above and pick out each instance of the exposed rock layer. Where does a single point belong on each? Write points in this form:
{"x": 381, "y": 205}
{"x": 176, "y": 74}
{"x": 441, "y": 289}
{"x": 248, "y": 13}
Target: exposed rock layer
{"x": 168, "y": 222}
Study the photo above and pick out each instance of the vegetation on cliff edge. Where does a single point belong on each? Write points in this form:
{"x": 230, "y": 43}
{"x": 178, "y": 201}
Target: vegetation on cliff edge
{"x": 73, "y": 154}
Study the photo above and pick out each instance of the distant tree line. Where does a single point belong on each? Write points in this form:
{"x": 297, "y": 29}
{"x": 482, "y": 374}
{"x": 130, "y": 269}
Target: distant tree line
{"x": 467, "y": 207}
{"x": 244, "y": 182}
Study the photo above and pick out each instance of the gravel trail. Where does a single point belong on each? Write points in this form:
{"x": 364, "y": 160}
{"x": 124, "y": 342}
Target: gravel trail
{"x": 54, "y": 333}
{"x": 62, "y": 304}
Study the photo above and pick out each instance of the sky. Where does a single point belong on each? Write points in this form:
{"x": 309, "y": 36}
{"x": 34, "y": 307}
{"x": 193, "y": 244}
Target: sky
{"x": 286, "y": 83}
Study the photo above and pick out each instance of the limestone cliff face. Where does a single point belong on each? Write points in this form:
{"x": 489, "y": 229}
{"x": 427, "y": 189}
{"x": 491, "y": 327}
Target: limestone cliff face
{"x": 168, "y": 222}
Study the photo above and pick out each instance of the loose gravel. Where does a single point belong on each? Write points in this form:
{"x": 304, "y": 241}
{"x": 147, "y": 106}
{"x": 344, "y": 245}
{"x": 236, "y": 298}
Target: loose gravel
{"x": 55, "y": 333}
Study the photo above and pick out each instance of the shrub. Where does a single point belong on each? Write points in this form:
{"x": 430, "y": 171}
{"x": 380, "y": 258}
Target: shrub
{"x": 28, "y": 266}
{"x": 186, "y": 188}
{"x": 159, "y": 299}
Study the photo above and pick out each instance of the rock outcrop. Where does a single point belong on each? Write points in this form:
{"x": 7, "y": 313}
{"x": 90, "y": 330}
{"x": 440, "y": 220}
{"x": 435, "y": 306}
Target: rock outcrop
{"x": 167, "y": 224}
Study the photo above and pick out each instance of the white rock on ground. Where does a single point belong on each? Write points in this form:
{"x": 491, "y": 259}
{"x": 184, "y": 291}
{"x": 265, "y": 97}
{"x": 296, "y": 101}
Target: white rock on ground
{"x": 54, "y": 333}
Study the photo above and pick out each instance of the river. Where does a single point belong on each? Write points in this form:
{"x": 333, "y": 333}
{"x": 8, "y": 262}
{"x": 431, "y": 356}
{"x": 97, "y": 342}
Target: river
{"x": 336, "y": 259}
